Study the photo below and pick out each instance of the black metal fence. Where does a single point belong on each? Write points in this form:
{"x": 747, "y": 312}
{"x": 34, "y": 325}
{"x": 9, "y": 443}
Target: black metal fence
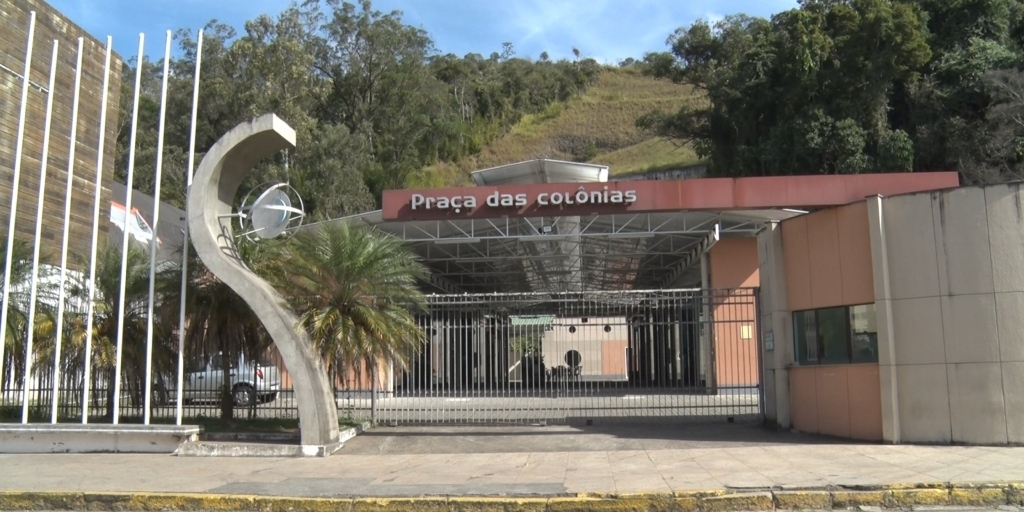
{"x": 488, "y": 358}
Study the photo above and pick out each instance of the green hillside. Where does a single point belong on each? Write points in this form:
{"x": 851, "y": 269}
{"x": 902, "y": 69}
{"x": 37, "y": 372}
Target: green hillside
{"x": 597, "y": 127}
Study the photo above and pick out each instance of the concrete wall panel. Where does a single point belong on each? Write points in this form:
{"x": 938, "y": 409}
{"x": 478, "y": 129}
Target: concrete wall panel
{"x": 769, "y": 395}
{"x": 1005, "y": 208}
{"x": 1010, "y": 325}
{"x": 855, "y": 254}
{"x": 797, "y": 263}
{"x": 865, "y": 401}
{"x": 825, "y": 268}
{"x": 969, "y": 328}
{"x": 976, "y": 403}
{"x": 924, "y": 403}
{"x": 803, "y": 398}
{"x": 885, "y": 356}
{"x": 962, "y": 245}
{"x": 833, "y": 399}
{"x": 837, "y": 400}
{"x": 913, "y": 265}
{"x": 890, "y": 403}
{"x": 1013, "y": 382}
{"x": 917, "y": 327}
{"x": 734, "y": 263}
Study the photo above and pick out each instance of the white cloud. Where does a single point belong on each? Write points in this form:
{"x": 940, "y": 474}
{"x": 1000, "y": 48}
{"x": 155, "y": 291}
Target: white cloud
{"x": 713, "y": 17}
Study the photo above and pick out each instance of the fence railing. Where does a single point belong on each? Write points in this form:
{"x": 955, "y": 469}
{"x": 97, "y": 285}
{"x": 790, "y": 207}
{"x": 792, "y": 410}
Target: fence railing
{"x": 493, "y": 358}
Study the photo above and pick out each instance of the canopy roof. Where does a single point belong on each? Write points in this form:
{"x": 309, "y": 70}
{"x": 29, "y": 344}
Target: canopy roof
{"x": 577, "y": 253}
{"x": 656, "y": 245}
{"x": 541, "y": 171}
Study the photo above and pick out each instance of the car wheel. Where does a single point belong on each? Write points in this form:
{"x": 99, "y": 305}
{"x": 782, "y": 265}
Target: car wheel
{"x": 244, "y": 395}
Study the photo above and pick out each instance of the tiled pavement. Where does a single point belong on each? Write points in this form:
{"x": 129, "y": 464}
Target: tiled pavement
{"x": 529, "y": 461}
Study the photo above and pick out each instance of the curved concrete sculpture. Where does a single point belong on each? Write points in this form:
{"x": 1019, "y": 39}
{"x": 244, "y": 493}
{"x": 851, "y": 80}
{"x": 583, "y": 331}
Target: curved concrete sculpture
{"x": 210, "y": 224}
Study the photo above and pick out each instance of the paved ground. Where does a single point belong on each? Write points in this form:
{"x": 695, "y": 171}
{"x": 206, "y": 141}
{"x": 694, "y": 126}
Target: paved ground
{"x": 549, "y": 460}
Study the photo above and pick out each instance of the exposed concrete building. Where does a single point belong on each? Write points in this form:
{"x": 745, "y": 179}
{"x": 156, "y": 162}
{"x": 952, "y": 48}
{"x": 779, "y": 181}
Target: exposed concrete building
{"x": 942, "y": 275}
{"x": 51, "y": 25}
{"x": 170, "y": 233}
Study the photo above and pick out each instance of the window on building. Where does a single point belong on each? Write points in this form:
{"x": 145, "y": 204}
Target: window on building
{"x": 841, "y": 335}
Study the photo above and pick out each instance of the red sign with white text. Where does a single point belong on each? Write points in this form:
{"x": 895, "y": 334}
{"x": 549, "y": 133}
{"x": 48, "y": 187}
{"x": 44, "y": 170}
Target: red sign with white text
{"x": 562, "y": 199}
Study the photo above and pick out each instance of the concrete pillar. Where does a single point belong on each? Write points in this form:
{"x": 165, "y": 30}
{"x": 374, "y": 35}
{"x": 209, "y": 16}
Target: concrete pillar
{"x": 884, "y": 319}
{"x": 776, "y": 325}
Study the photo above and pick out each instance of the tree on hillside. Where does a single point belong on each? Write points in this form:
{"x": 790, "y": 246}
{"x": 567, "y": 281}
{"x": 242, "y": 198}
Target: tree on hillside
{"x": 807, "y": 91}
{"x": 371, "y": 101}
{"x": 839, "y": 86}
{"x": 955, "y": 112}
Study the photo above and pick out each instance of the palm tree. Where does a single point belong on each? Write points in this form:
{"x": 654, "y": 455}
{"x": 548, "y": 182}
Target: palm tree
{"x": 16, "y": 333}
{"x": 355, "y": 291}
{"x": 219, "y": 321}
{"x": 105, "y": 319}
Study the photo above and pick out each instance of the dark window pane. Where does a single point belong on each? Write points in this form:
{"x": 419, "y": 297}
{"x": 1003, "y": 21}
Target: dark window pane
{"x": 833, "y": 336}
{"x": 864, "y": 341}
{"x": 806, "y": 337}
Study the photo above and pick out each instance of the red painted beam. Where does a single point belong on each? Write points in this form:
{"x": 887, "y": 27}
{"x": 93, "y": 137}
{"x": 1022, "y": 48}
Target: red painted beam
{"x": 560, "y": 199}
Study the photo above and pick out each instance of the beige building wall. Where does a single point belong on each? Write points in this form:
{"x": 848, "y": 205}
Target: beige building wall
{"x": 734, "y": 264}
{"x": 50, "y": 25}
{"x": 828, "y": 258}
{"x": 813, "y": 261}
{"x": 603, "y": 353}
{"x": 837, "y": 400}
{"x": 953, "y": 329}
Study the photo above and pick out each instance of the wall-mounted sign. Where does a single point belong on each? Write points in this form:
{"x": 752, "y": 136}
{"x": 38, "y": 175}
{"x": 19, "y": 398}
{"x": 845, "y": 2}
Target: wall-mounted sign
{"x": 769, "y": 340}
{"x": 650, "y": 196}
{"x": 582, "y": 196}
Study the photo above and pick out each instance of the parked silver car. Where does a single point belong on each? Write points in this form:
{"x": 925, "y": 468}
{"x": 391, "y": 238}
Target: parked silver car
{"x": 250, "y": 382}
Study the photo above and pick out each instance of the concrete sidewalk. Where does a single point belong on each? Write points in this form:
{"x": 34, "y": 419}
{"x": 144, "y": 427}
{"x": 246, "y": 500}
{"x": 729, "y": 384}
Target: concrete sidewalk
{"x": 533, "y": 461}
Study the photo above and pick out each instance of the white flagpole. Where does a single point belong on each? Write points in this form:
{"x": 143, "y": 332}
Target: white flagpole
{"x": 185, "y": 244}
{"x": 87, "y": 378}
{"x": 124, "y": 237}
{"x": 14, "y": 192}
{"x": 37, "y": 241}
{"x": 67, "y": 234}
{"x": 156, "y": 240}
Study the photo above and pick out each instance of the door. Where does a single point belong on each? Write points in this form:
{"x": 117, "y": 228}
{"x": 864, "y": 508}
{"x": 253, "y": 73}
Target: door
{"x": 195, "y": 379}
{"x": 215, "y": 377}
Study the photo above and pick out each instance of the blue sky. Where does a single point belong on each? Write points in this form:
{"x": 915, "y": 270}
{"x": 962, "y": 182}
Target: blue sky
{"x": 606, "y": 30}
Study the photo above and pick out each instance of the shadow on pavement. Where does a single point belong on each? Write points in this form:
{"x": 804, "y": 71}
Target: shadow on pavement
{"x": 569, "y": 438}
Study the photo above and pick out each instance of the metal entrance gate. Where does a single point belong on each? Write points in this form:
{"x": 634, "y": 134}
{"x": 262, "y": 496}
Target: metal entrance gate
{"x": 526, "y": 358}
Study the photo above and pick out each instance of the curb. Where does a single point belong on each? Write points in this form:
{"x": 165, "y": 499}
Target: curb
{"x": 830, "y": 498}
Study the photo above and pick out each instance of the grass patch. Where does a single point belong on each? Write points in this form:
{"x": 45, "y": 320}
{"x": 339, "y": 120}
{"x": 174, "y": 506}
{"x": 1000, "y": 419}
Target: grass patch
{"x": 650, "y": 155}
{"x": 599, "y": 126}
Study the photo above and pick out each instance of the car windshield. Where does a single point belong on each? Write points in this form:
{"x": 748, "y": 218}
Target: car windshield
{"x": 217, "y": 362}
{"x": 196, "y": 364}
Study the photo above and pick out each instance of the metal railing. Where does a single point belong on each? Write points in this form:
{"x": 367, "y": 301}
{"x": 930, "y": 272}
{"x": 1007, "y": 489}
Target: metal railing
{"x": 494, "y": 358}
{"x": 533, "y": 357}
